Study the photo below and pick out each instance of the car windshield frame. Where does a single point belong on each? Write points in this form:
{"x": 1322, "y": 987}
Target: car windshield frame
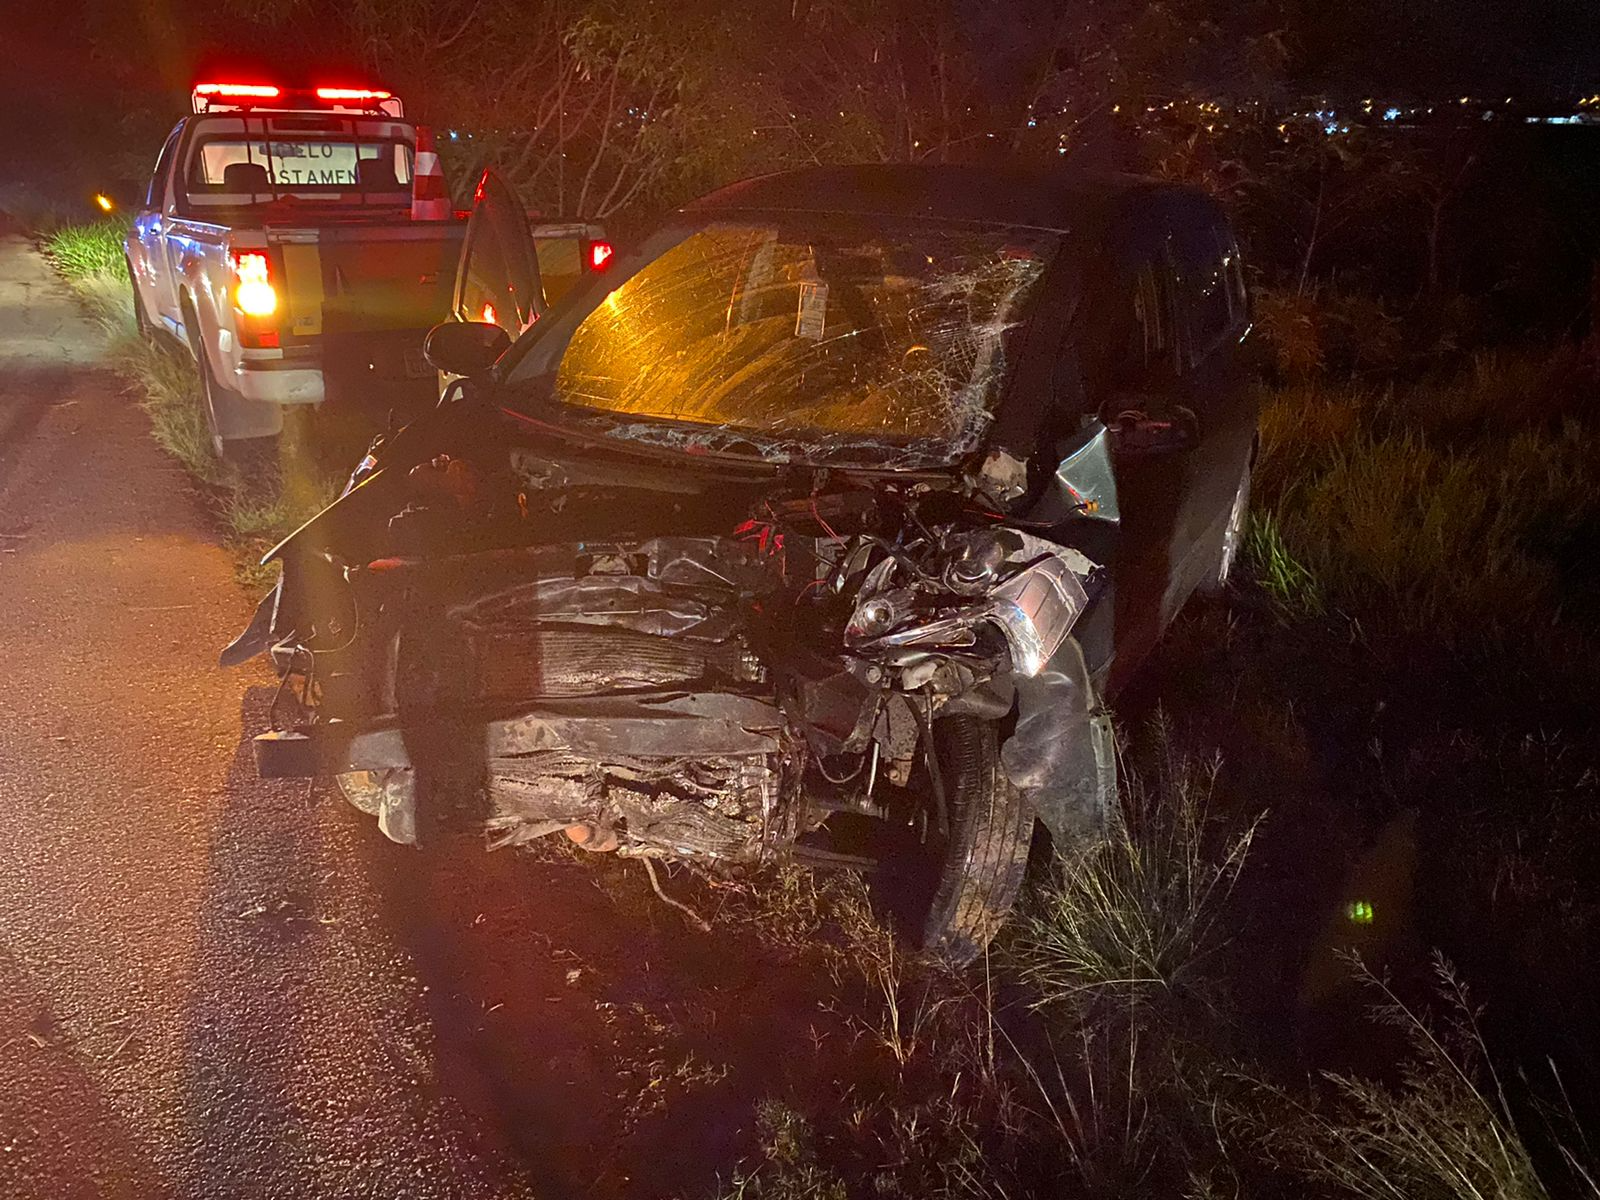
{"x": 530, "y": 376}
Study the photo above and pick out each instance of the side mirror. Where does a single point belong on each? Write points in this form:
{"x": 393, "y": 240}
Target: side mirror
{"x": 464, "y": 347}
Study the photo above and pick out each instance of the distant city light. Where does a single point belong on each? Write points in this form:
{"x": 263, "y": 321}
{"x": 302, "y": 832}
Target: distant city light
{"x": 1391, "y": 114}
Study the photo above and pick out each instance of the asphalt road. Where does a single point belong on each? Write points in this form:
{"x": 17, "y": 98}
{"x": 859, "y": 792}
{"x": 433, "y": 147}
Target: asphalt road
{"x": 215, "y": 986}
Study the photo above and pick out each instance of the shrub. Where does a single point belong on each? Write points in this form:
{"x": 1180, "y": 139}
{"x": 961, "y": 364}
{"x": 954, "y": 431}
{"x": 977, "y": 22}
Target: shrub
{"x": 1319, "y": 331}
{"x": 1453, "y": 505}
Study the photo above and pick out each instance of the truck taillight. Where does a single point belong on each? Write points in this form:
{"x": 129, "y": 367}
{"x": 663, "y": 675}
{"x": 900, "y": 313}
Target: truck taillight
{"x": 254, "y": 294}
{"x": 599, "y": 255}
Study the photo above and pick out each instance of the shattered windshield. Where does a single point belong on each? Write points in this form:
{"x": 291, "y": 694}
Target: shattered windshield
{"x": 806, "y": 339}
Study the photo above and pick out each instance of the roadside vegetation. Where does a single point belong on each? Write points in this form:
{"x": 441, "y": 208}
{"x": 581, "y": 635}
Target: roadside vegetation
{"x": 258, "y": 503}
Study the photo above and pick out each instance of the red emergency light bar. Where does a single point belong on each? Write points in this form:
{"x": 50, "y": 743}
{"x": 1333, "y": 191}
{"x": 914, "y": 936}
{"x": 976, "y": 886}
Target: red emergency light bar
{"x": 254, "y": 91}
{"x": 221, "y": 96}
{"x": 325, "y": 93}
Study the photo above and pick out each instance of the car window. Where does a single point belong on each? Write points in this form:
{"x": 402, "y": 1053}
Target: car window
{"x": 1238, "y": 295}
{"x": 1203, "y": 275}
{"x": 1151, "y": 338}
{"x": 158, "y": 179}
{"x": 242, "y": 169}
{"x": 1135, "y": 347}
{"x": 560, "y": 265}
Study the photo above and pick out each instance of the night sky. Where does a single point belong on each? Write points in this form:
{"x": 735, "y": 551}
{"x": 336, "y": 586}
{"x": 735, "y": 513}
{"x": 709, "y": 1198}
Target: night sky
{"x": 76, "y": 75}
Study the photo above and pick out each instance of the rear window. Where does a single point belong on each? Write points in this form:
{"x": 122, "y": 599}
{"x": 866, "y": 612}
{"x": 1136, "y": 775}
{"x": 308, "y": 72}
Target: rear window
{"x": 312, "y": 166}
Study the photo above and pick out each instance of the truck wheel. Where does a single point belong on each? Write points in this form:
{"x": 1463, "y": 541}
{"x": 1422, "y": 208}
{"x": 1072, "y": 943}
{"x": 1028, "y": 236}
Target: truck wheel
{"x": 964, "y": 881}
{"x": 141, "y": 324}
{"x": 225, "y": 407}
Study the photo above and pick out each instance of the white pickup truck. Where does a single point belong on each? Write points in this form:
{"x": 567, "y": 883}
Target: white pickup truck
{"x": 277, "y": 244}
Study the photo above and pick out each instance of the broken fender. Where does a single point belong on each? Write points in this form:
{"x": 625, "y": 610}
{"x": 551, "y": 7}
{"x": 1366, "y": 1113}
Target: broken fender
{"x": 1062, "y": 753}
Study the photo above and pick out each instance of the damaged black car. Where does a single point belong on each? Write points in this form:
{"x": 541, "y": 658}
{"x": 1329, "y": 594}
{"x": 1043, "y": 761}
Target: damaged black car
{"x": 820, "y": 525}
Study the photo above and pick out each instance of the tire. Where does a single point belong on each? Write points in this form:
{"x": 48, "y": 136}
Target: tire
{"x": 977, "y": 869}
{"x": 208, "y": 386}
{"x": 141, "y": 323}
{"x": 1232, "y": 543}
{"x": 215, "y": 399}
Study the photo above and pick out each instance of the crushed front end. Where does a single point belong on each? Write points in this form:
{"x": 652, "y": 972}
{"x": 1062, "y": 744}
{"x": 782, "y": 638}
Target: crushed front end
{"x": 718, "y": 695}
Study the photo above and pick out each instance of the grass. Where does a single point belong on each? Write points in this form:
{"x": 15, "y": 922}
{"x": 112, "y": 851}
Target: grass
{"x": 1459, "y": 506}
{"x": 1287, "y": 580}
{"x": 1097, "y": 1057}
{"x": 82, "y": 252}
{"x": 259, "y": 505}
{"x": 1448, "y": 1130}
{"x": 1133, "y": 919}
{"x": 788, "y": 1167}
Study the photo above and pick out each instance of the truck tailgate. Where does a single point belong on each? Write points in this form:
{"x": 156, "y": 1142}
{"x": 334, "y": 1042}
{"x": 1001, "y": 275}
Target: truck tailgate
{"x": 366, "y": 295}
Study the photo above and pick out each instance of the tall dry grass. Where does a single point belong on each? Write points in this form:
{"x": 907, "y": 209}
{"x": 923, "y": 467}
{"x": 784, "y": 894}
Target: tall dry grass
{"x": 1135, "y": 918}
{"x": 1449, "y": 1129}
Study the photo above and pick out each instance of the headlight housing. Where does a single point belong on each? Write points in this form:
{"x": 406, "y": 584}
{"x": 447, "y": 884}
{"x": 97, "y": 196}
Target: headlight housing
{"x": 1034, "y": 607}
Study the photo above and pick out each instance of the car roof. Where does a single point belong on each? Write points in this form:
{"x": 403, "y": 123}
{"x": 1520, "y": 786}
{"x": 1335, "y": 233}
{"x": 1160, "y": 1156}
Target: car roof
{"x": 995, "y": 195}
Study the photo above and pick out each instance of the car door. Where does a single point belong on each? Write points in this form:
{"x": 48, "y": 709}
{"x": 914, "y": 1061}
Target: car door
{"x": 497, "y": 279}
{"x": 1131, "y": 348}
{"x": 1213, "y": 317}
{"x": 148, "y": 258}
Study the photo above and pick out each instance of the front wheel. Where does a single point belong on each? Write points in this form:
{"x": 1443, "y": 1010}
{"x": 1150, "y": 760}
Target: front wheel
{"x": 953, "y": 882}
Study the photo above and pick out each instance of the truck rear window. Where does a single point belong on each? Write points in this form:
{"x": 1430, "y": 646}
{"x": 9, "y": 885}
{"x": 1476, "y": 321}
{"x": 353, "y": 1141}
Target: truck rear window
{"x": 236, "y": 168}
